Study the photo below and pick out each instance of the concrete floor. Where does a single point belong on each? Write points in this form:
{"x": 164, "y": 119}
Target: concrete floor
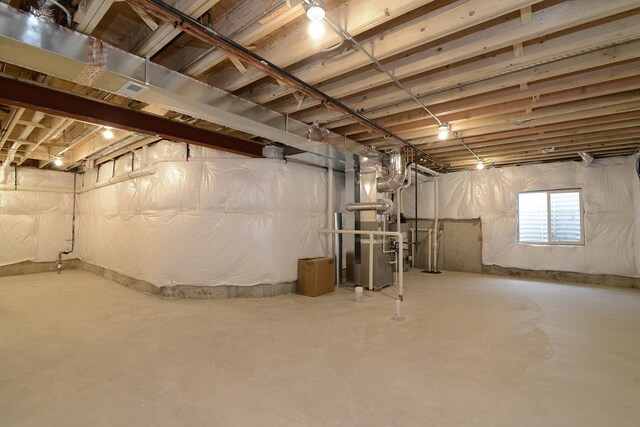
{"x": 78, "y": 350}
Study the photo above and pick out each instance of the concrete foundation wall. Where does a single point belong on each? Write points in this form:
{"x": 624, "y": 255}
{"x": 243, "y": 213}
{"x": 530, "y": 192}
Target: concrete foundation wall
{"x": 460, "y": 249}
{"x": 565, "y": 276}
{"x": 460, "y": 245}
{"x": 28, "y": 267}
{"x": 169, "y": 292}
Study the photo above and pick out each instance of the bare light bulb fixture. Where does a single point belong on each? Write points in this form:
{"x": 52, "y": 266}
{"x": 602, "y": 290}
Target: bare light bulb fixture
{"x": 443, "y": 131}
{"x": 316, "y": 29}
{"x": 316, "y": 10}
{"x": 57, "y": 161}
{"x": 480, "y": 165}
{"x": 316, "y": 13}
{"x": 107, "y": 134}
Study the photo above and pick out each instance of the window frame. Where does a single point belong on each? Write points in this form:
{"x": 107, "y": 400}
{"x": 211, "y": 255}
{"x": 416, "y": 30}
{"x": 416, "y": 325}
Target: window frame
{"x": 549, "y": 242}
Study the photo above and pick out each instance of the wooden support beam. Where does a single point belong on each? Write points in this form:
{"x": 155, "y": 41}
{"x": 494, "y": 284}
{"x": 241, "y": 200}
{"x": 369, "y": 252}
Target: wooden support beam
{"x": 518, "y": 50}
{"x": 92, "y": 146}
{"x": 32, "y": 123}
{"x": 537, "y": 135}
{"x": 145, "y": 17}
{"x": 570, "y": 126}
{"x": 547, "y": 21}
{"x": 438, "y": 82}
{"x": 72, "y": 145}
{"x": 148, "y": 43}
{"x": 585, "y": 97}
{"x": 236, "y": 62}
{"x": 538, "y": 145}
{"x": 567, "y": 153}
{"x": 299, "y": 97}
{"x": 293, "y": 46}
{"x": 240, "y": 24}
{"x": 90, "y": 13}
{"x": 41, "y": 154}
{"x": 11, "y": 123}
{"x": 601, "y": 81}
{"x": 525, "y": 15}
{"x": 59, "y": 125}
{"x": 25, "y": 133}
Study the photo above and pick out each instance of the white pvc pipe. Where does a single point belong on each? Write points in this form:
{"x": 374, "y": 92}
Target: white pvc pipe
{"x": 436, "y": 185}
{"x": 429, "y": 249}
{"x": 11, "y": 187}
{"x": 330, "y": 248}
{"x": 426, "y": 170}
{"x": 399, "y": 260}
{"x": 370, "y": 261}
{"x": 398, "y": 236}
{"x": 120, "y": 178}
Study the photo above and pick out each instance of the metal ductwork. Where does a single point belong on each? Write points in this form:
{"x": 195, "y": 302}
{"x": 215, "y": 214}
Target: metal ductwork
{"x": 395, "y": 172}
{"x": 40, "y": 45}
{"x": 587, "y": 158}
{"x": 381, "y": 207}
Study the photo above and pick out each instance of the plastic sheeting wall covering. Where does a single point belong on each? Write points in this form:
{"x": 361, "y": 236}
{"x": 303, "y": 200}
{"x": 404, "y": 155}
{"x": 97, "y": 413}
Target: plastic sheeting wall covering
{"x": 35, "y": 225}
{"x": 611, "y": 204}
{"x": 214, "y": 220}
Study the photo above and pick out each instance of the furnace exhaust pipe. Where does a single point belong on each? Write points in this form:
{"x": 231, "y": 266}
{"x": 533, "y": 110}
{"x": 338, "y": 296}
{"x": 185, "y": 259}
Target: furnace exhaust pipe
{"x": 396, "y": 172}
{"x": 381, "y": 207}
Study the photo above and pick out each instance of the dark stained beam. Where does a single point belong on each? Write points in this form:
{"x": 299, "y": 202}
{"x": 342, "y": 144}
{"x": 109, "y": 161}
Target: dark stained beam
{"x": 41, "y": 98}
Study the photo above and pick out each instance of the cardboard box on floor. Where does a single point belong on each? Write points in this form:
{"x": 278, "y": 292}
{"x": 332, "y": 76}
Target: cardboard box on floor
{"x": 316, "y": 276}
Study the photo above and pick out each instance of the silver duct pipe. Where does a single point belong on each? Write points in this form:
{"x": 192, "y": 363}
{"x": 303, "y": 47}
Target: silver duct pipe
{"x": 381, "y": 207}
{"x": 396, "y": 172}
{"x": 587, "y": 158}
{"x": 42, "y": 46}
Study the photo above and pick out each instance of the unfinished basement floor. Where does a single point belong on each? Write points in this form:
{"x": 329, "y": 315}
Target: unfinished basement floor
{"x": 78, "y": 350}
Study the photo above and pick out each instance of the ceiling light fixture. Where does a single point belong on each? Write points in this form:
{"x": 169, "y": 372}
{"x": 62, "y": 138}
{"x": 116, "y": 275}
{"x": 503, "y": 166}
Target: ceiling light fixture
{"x": 57, "y": 161}
{"x": 316, "y": 29}
{"x": 316, "y": 13}
{"x": 315, "y": 10}
{"x": 480, "y": 165}
{"x": 443, "y": 131}
{"x": 107, "y": 134}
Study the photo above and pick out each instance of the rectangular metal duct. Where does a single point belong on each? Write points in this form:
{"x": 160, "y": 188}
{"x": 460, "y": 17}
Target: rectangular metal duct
{"x": 40, "y": 45}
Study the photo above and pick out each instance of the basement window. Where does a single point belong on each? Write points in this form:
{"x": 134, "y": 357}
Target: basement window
{"x": 551, "y": 217}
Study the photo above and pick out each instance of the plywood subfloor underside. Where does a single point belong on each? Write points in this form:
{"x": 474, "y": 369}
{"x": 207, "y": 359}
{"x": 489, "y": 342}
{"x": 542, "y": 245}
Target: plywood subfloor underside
{"x": 76, "y": 349}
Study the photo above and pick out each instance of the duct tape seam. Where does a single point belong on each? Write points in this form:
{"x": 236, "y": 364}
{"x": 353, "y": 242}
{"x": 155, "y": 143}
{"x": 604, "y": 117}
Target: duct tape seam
{"x": 96, "y": 64}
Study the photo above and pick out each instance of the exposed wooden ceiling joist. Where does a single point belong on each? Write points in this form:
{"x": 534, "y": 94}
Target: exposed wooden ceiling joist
{"x": 508, "y": 76}
{"x": 41, "y": 98}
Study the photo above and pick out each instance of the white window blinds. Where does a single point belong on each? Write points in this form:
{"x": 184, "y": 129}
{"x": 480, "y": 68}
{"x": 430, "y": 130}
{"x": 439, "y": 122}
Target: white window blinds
{"x": 532, "y": 217}
{"x": 565, "y": 217}
{"x": 550, "y": 217}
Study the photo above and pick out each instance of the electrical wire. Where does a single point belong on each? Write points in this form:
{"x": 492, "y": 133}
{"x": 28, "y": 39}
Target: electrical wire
{"x": 344, "y": 33}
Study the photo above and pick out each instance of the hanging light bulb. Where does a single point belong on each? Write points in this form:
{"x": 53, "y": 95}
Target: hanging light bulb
{"x": 316, "y": 29}
{"x": 57, "y": 161}
{"x": 443, "y": 131}
{"x": 480, "y": 165}
{"x": 316, "y": 11}
{"x": 107, "y": 134}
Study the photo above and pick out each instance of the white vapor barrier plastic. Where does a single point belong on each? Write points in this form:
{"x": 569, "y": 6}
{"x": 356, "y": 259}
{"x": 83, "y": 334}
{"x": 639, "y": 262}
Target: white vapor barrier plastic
{"x": 35, "y": 225}
{"x": 207, "y": 222}
{"x": 611, "y": 203}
